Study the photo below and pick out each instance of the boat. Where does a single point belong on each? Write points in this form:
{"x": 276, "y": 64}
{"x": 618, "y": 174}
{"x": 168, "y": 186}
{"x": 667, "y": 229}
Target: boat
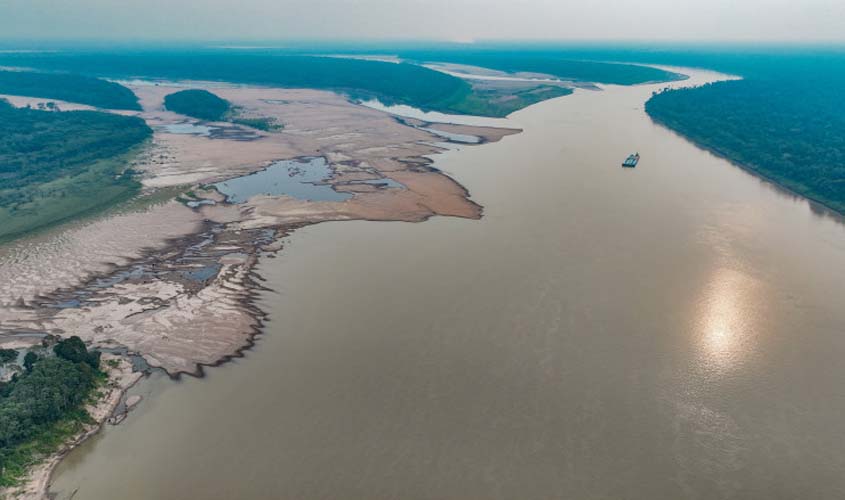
{"x": 632, "y": 160}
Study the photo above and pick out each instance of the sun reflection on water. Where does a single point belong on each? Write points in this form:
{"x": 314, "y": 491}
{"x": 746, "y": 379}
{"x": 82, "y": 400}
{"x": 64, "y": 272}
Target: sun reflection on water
{"x": 728, "y": 317}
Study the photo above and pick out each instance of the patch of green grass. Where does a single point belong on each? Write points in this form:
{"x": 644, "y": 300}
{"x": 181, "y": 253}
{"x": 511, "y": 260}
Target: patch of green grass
{"x": 58, "y": 165}
{"x": 500, "y": 103}
{"x": 101, "y": 185}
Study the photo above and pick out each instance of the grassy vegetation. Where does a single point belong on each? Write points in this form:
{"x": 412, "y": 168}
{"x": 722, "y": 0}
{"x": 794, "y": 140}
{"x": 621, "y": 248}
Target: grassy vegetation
{"x": 197, "y": 103}
{"x": 67, "y": 87}
{"x": 58, "y": 165}
{"x": 497, "y": 103}
{"x": 265, "y": 123}
{"x": 44, "y": 406}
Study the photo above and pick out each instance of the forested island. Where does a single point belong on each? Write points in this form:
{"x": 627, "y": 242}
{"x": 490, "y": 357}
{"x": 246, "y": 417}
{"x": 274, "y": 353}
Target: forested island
{"x": 204, "y": 105}
{"x": 67, "y": 87}
{"x": 197, "y": 103}
{"x": 57, "y": 165}
{"x": 43, "y": 404}
{"x": 788, "y": 130}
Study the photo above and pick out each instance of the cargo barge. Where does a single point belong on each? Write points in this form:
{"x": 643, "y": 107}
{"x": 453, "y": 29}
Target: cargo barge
{"x": 631, "y": 161}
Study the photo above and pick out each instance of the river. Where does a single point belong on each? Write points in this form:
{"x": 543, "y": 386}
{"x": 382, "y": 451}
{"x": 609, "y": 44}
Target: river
{"x": 671, "y": 331}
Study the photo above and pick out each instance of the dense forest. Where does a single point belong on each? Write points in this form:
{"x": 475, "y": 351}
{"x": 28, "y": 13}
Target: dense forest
{"x": 788, "y": 127}
{"x": 393, "y": 83}
{"x": 54, "y": 165}
{"x": 197, "y": 103}
{"x": 44, "y": 404}
{"x": 66, "y": 87}
{"x": 204, "y": 105}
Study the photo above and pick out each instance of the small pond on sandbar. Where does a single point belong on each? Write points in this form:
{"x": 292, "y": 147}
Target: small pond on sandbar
{"x": 299, "y": 178}
{"x": 188, "y": 128}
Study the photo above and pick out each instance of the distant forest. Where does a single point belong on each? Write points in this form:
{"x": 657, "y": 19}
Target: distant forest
{"x": 54, "y": 165}
{"x": 785, "y": 121}
{"x": 793, "y": 134}
{"x": 391, "y": 83}
{"x": 551, "y": 64}
{"x": 66, "y": 87}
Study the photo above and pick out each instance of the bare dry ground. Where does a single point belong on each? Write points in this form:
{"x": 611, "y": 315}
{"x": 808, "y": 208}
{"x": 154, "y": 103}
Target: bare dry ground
{"x": 175, "y": 284}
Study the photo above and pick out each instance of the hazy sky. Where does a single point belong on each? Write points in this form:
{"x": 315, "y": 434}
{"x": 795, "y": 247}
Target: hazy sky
{"x": 454, "y": 20}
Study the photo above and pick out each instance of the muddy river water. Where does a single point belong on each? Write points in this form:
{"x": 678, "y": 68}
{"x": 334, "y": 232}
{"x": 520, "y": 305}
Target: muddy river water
{"x": 671, "y": 331}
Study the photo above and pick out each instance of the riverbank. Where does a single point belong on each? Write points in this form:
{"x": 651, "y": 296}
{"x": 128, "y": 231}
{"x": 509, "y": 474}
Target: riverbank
{"x": 600, "y": 333}
{"x": 757, "y": 124}
{"x": 822, "y": 204}
{"x": 120, "y": 377}
{"x": 182, "y": 293}
{"x": 173, "y": 281}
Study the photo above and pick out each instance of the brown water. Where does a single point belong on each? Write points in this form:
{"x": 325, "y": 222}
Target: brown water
{"x": 671, "y": 331}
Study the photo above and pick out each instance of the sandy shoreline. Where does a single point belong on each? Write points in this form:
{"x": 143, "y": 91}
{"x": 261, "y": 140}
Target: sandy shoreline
{"x": 176, "y": 284}
{"x": 120, "y": 378}
{"x": 131, "y": 280}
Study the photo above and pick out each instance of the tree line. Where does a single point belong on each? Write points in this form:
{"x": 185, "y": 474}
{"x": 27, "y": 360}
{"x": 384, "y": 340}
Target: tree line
{"x": 53, "y": 388}
{"x": 68, "y": 87}
{"x": 790, "y": 129}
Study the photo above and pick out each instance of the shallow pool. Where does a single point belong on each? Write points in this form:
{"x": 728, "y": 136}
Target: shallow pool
{"x": 300, "y": 178}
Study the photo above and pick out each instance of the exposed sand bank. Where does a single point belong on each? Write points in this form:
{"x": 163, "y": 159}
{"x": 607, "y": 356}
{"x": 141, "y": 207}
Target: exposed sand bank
{"x": 175, "y": 284}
